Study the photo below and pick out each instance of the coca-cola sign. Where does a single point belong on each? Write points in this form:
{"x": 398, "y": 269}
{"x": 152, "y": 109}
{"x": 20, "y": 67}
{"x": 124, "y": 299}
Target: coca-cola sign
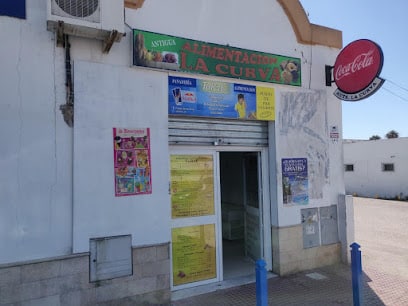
{"x": 356, "y": 70}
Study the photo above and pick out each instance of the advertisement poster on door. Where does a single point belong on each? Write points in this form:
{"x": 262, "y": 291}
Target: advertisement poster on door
{"x": 193, "y": 253}
{"x": 295, "y": 182}
{"x": 192, "y": 185}
{"x": 216, "y": 99}
{"x": 132, "y": 164}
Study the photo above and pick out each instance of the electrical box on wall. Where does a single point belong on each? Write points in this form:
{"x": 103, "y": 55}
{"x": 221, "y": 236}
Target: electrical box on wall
{"x": 87, "y": 18}
{"x": 110, "y": 257}
{"x": 328, "y": 224}
{"x": 311, "y": 230}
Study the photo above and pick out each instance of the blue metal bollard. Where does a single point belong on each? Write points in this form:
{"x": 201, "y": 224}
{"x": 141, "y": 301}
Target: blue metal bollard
{"x": 261, "y": 283}
{"x": 356, "y": 274}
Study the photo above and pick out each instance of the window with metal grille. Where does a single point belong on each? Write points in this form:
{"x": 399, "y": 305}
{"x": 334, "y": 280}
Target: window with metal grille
{"x": 387, "y": 167}
{"x": 349, "y": 167}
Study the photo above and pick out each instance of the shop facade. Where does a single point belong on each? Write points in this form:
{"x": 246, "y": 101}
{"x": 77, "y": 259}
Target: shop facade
{"x": 166, "y": 154}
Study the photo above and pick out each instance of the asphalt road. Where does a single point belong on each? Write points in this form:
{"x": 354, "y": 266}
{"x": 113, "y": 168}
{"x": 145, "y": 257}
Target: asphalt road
{"x": 381, "y": 228}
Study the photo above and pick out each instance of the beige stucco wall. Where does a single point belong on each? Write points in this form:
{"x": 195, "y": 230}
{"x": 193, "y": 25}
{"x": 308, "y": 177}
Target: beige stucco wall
{"x": 289, "y": 256}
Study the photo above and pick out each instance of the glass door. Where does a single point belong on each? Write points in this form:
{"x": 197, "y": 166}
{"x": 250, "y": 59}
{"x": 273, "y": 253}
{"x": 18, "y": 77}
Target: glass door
{"x": 253, "y": 205}
{"x": 194, "y": 231}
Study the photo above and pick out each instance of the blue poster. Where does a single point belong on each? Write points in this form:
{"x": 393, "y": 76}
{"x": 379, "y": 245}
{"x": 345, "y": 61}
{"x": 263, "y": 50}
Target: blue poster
{"x": 13, "y": 8}
{"x": 295, "y": 183}
{"x": 209, "y": 98}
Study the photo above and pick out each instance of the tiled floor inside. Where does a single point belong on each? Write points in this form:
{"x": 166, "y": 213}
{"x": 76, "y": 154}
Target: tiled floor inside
{"x": 236, "y": 264}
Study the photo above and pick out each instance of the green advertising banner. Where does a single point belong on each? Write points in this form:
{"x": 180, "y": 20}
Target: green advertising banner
{"x": 175, "y": 53}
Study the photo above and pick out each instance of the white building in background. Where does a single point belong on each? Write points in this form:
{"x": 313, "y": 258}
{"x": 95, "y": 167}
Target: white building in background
{"x": 377, "y": 168}
{"x": 124, "y": 182}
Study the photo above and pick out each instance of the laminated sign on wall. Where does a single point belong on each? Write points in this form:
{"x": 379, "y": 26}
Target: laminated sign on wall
{"x": 208, "y": 98}
{"x": 132, "y": 161}
{"x": 295, "y": 181}
{"x": 193, "y": 253}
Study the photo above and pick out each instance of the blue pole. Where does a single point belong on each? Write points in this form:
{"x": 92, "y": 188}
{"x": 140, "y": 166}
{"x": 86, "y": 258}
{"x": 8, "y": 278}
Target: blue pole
{"x": 261, "y": 283}
{"x": 356, "y": 273}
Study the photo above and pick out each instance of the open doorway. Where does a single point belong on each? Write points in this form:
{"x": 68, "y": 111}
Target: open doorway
{"x": 241, "y": 212}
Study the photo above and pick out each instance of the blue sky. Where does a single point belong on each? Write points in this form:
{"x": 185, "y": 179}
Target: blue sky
{"x": 386, "y": 23}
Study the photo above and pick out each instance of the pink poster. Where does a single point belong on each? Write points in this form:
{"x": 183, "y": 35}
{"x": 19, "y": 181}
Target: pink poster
{"x": 131, "y": 148}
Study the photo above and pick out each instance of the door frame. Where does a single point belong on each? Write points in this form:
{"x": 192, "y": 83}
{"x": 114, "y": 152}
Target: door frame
{"x": 201, "y": 220}
{"x": 217, "y": 218}
{"x": 263, "y": 173}
{"x": 249, "y": 210}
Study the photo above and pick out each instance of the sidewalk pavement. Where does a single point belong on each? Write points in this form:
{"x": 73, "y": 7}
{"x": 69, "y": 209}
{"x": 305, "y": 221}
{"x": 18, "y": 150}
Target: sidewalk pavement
{"x": 326, "y": 286}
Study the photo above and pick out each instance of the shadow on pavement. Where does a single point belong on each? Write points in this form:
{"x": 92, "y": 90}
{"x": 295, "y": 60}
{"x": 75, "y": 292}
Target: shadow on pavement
{"x": 369, "y": 296}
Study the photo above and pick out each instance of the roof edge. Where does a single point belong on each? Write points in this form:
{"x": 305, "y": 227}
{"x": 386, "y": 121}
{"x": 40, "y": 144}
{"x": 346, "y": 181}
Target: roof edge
{"x": 308, "y": 33}
{"x": 134, "y": 4}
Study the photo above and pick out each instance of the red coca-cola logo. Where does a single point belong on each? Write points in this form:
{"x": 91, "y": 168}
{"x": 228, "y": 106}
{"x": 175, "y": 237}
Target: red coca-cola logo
{"x": 357, "y": 65}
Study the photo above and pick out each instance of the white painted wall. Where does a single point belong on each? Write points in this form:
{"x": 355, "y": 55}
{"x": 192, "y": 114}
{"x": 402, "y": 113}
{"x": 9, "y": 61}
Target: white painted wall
{"x": 107, "y": 97}
{"x": 36, "y": 145}
{"x": 36, "y": 162}
{"x": 368, "y": 179}
{"x": 48, "y": 207}
{"x": 346, "y": 225}
{"x": 302, "y": 129}
{"x": 258, "y": 25}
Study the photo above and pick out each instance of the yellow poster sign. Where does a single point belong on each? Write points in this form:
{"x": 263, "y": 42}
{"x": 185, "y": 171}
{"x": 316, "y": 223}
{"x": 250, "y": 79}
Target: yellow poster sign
{"x": 265, "y": 103}
{"x": 192, "y": 185}
{"x": 193, "y": 250}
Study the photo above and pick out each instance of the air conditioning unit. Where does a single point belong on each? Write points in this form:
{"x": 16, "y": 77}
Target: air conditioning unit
{"x": 87, "y": 18}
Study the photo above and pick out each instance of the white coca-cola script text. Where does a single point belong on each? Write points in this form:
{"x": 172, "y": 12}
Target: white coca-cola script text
{"x": 361, "y": 61}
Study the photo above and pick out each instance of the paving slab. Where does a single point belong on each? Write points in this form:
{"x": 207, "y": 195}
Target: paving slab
{"x": 382, "y": 232}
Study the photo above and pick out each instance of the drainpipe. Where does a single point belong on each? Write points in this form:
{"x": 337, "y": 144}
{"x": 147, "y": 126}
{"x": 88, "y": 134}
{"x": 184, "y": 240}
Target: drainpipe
{"x": 67, "y": 109}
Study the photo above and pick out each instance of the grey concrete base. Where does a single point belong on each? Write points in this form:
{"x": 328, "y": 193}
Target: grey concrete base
{"x": 65, "y": 281}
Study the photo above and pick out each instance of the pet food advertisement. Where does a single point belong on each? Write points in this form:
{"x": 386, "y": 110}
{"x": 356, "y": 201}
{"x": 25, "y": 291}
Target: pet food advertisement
{"x": 208, "y": 98}
{"x": 132, "y": 161}
{"x": 295, "y": 181}
{"x": 193, "y": 253}
{"x": 192, "y": 185}
{"x": 180, "y": 54}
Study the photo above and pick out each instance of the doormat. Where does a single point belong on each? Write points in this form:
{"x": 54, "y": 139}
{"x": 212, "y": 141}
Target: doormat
{"x": 316, "y": 276}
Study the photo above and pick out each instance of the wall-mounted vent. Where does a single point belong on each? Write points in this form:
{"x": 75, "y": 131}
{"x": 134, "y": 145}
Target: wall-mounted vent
{"x": 84, "y": 9}
{"x": 97, "y": 19}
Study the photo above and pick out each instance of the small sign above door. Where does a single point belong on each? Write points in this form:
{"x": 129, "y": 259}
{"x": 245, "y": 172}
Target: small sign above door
{"x": 215, "y": 99}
